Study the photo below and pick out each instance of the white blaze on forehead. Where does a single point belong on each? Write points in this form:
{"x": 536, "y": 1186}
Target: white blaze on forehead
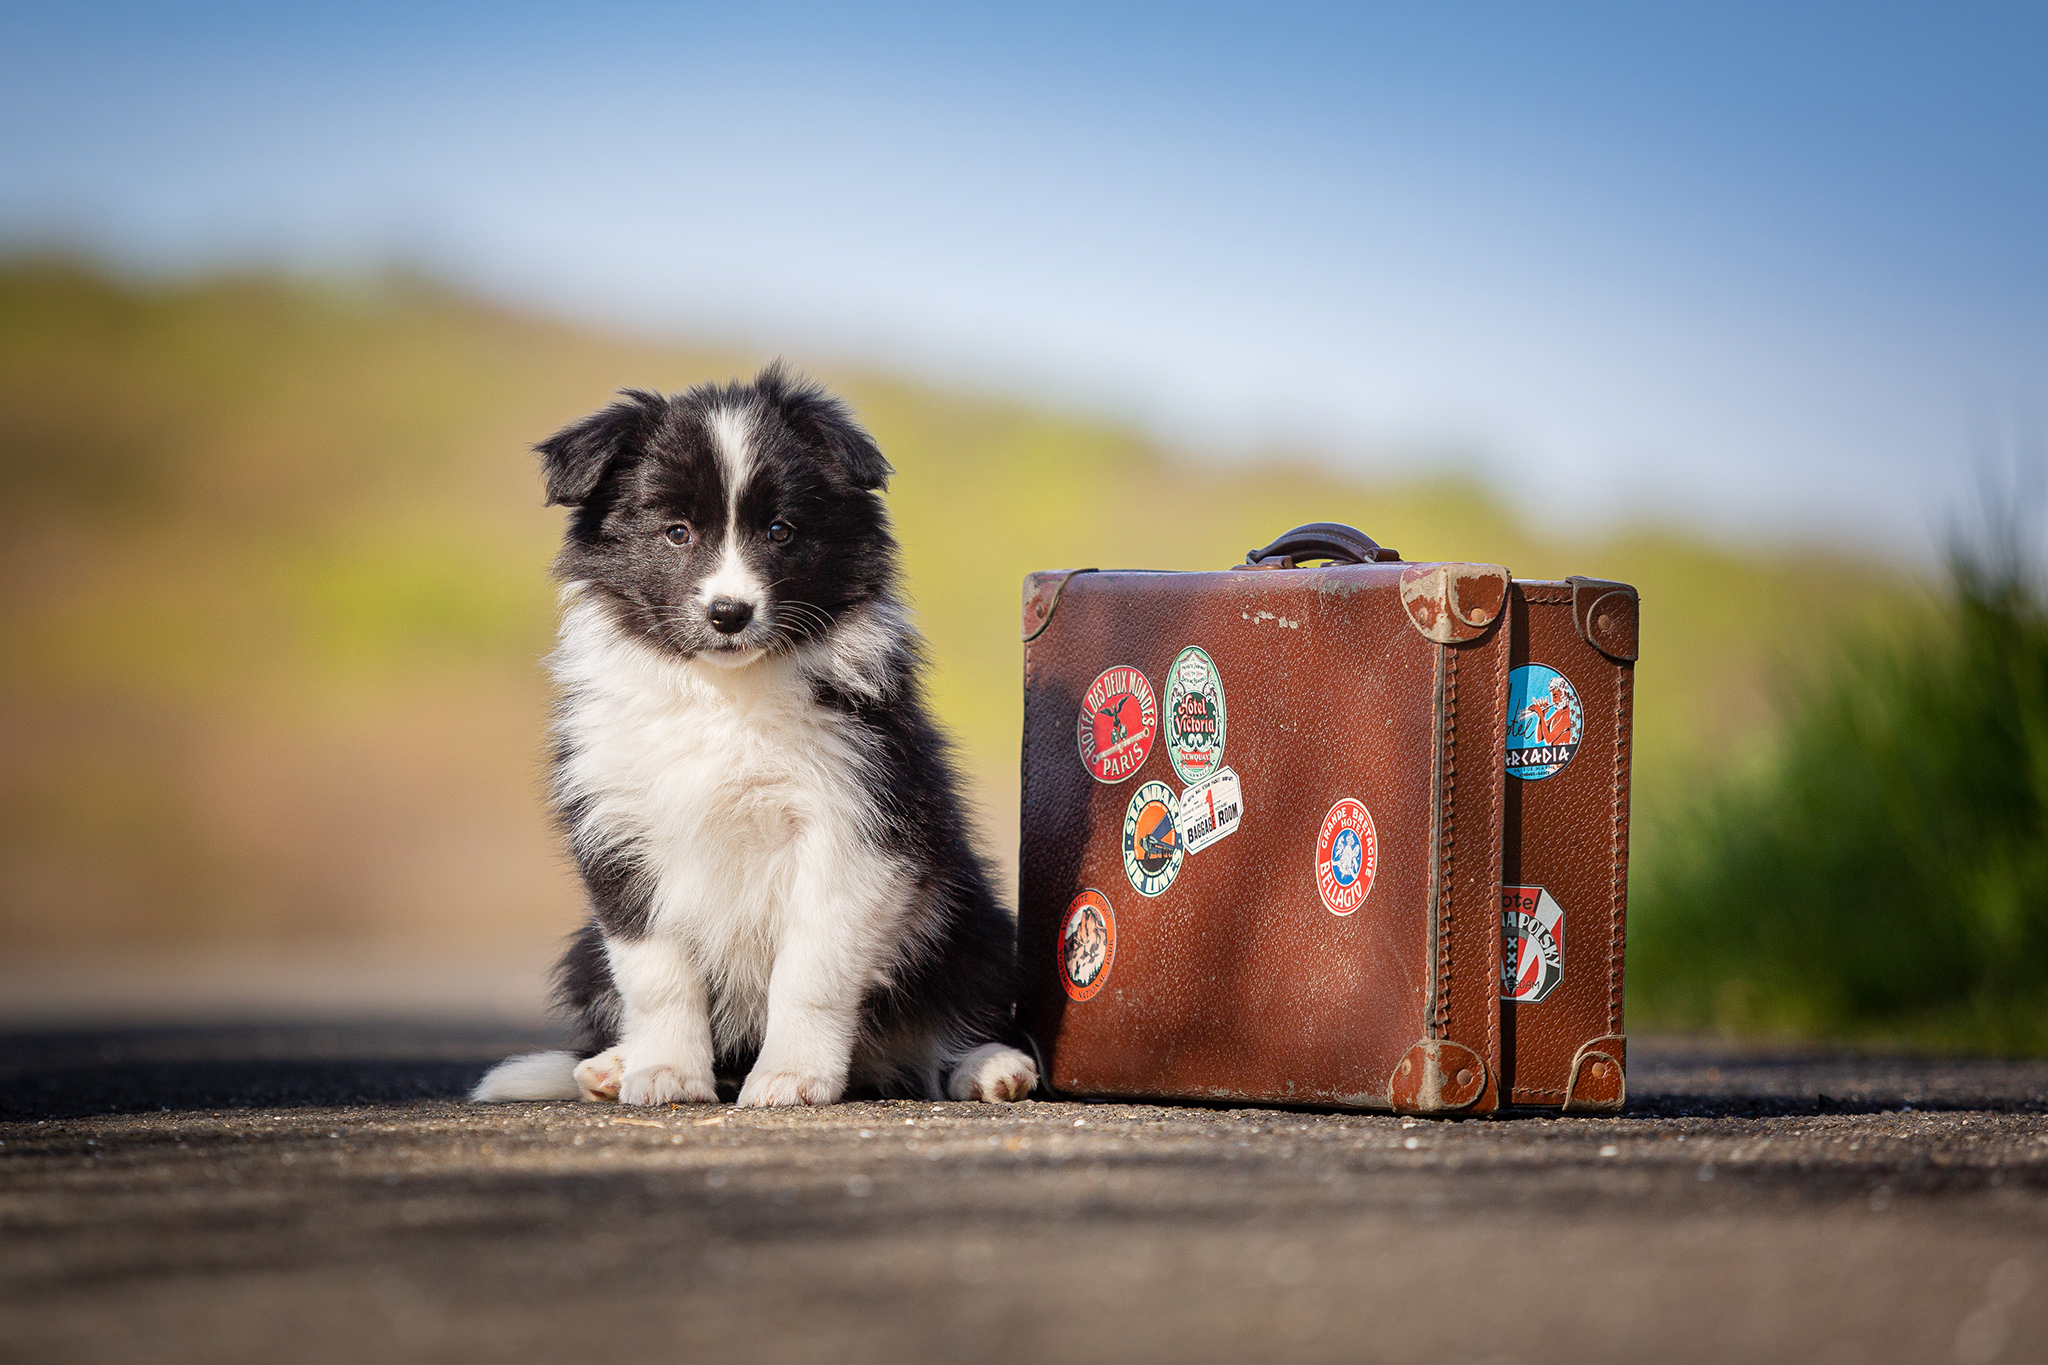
{"x": 732, "y": 432}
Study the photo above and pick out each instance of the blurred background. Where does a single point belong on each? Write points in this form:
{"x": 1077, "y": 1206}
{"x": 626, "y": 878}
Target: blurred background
{"x": 1742, "y": 304}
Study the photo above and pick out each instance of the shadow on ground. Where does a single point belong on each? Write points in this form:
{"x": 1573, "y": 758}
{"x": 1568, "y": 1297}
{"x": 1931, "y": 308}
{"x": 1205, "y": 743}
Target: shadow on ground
{"x": 72, "y": 1073}
{"x": 77, "y": 1072}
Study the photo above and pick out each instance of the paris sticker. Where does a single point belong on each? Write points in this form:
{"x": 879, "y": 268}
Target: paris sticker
{"x": 1119, "y": 720}
{"x": 1347, "y": 856}
{"x": 1194, "y": 715}
{"x": 1532, "y": 944}
{"x": 1545, "y": 722}
{"x": 1152, "y": 846}
{"x": 1087, "y": 944}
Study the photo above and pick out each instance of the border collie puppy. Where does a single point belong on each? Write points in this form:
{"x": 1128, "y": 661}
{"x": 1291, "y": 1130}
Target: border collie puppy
{"x": 765, "y": 816}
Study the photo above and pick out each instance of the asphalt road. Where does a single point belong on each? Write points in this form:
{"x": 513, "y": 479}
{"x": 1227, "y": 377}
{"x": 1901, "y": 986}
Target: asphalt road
{"x": 316, "y": 1194}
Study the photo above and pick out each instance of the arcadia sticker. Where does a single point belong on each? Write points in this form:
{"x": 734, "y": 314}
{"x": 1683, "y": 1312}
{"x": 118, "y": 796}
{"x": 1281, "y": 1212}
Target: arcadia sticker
{"x": 1194, "y": 715}
{"x": 1152, "y": 845}
{"x": 1532, "y": 944}
{"x": 1087, "y": 944}
{"x": 1119, "y": 720}
{"x": 1210, "y": 810}
{"x": 1347, "y": 856}
{"x": 1545, "y": 722}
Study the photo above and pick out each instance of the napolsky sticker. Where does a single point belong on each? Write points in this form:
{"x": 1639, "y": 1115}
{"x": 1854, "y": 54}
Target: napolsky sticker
{"x": 1087, "y": 944}
{"x": 1347, "y": 856}
{"x": 1152, "y": 843}
{"x": 1194, "y": 715}
{"x": 1532, "y": 944}
{"x": 1545, "y": 721}
{"x": 1210, "y": 810}
{"x": 1119, "y": 720}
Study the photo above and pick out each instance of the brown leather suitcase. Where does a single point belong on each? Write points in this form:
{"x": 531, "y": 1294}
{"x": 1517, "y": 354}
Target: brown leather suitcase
{"x": 1267, "y": 816}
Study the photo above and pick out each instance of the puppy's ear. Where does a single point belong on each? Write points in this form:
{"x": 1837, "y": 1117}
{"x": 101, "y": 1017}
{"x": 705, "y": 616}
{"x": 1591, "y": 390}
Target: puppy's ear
{"x": 576, "y": 458}
{"x": 822, "y": 418}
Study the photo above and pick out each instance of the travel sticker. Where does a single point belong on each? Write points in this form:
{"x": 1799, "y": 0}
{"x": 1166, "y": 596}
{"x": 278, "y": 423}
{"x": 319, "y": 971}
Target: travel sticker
{"x": 1194, "y": 715}
{"x": 1347, "y": 856}
{"x": 1210, "y": 810}
{"x": 1152, "y": 845}
{"x": 1119, "y": 720}
{"x": 1532, "y": 944}
{"x": 1087, "y": 944}
{"x": 1545, "y": 722}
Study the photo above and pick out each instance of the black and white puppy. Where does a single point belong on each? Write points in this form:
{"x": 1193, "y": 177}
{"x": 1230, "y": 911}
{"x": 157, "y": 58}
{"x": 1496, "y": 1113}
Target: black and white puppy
{"x": 767, "y": 820}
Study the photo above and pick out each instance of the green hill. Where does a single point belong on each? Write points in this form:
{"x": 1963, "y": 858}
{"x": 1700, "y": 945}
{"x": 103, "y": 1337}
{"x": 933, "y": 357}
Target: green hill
{"x": 276, "y": 562}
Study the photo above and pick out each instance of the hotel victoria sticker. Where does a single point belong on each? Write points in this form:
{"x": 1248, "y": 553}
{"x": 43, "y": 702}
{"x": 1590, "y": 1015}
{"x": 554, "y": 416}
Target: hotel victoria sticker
{"x": 1195, "y": 720}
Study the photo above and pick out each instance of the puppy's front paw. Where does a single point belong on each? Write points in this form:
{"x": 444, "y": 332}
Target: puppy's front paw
{"x": 666, "y": 1085}
{"x": 778, "y": 1089}
{"x": 598, "y": 1077}
{"x": 993, "y": 1073}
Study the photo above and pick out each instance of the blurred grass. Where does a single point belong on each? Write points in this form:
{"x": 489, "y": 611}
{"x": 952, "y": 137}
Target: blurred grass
{"x": 1885, "y": 873}
{"x": 277, "y": 595}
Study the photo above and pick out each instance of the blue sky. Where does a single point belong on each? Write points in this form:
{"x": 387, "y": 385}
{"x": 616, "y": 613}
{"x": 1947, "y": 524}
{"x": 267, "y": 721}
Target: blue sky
{"x": 1759, "y": 268}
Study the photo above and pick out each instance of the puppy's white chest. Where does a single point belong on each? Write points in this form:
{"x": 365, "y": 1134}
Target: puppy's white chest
{"x": 725, "y": 787}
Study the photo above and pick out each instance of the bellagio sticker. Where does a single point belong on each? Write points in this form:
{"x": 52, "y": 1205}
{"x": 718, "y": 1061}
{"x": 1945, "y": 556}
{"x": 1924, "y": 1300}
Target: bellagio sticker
{"x": 1087, "y": 944}
{"x": 1152, "y": 844}
{"x": 1211, "y": 810}
{"x": 1347, "y": 856}
{"x": 1195, "y": 719}
{"x": 1119, "y": 720}
{"x": 1545, "y": 721}
{"x": 1532, "y": 944}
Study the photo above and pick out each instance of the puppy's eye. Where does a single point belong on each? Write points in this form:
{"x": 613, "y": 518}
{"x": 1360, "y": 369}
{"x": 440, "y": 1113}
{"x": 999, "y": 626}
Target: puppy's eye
{"x": 780, "y": 532}
{"x": 679, "y": 534}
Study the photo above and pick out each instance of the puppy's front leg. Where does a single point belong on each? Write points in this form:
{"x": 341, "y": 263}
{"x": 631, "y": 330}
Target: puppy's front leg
{"x": 666, "y": 1038}
{"x": 813, "y": 1014}
{"x": 823, "y": 968}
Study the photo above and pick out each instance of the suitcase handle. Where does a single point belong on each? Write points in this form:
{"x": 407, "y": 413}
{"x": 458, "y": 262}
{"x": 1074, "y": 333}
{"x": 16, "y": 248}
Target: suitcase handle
{"x": 1331, "y": 540}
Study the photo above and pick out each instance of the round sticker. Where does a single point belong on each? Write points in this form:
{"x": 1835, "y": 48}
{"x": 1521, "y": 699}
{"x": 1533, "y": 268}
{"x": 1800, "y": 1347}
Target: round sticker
{"x": 1119, "y": 720}
{"x": 1194, "y": 715}
{"x": 1152, "y": 843}
{"x": 1545, "y": 722}
{"x": 1347, "y": 856}
{"x": 1087, "y": 944}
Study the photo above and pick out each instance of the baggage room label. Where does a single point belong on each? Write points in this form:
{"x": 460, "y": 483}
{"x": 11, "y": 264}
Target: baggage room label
{"x": 1211, "y": 810}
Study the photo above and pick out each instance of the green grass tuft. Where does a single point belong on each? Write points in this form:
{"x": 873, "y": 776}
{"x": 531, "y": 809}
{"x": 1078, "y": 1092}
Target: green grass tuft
{"x": 1885, "y": 875}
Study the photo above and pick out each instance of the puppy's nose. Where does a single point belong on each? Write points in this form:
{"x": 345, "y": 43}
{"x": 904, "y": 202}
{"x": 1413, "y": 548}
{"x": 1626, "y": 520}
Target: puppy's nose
{"x": 729, "y": 615}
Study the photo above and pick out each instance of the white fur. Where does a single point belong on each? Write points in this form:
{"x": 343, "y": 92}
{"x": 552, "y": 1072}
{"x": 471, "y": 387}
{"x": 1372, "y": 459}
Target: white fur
{"x": 535, "y": 1076}
{"x": 732, "y": 431}
{"x": 599, "y": 1077}
{"x": 774, "y": 909}
{"x": 993, "y": 1072}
